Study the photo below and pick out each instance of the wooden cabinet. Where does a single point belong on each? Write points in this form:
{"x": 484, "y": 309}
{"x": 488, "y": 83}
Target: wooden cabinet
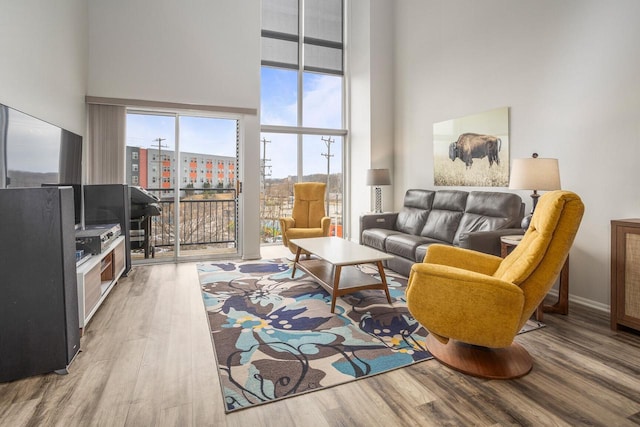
{"x": 96, "y": 278}
{"x": 625, "y": 273}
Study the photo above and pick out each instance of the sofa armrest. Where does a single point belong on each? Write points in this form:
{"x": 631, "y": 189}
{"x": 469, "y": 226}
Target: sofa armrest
{"x": 487, "y": 241}
{"x": 385, "y": 220}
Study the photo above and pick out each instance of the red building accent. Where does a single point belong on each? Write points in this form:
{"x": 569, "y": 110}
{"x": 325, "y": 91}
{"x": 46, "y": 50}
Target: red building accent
{"x": 142, "y": 168}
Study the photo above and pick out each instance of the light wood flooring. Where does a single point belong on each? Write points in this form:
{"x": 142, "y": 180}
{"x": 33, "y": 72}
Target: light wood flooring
{"x": 147, "y": 360}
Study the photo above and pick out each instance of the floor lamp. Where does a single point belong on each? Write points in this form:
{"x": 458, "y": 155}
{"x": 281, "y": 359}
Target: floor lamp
{"x": 377, "y": 178}
{"x": 534, "y": 174}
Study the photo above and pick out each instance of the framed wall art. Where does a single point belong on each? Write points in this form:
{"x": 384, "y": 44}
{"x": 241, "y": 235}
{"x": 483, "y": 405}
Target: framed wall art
{"x": 472, "y": 150}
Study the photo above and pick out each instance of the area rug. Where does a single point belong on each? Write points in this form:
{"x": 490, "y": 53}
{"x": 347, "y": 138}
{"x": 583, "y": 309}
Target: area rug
{"x": 274, "y": 336}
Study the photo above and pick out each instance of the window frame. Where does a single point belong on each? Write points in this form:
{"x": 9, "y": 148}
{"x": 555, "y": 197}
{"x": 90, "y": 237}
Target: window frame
{"x": 300, "y": 130}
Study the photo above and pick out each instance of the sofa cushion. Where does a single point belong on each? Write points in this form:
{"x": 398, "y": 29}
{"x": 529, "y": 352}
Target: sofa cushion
{"x": 446, "y": 213}
{"x": 489, "y": 211}
{"x": 421, "y": 251}
{"x": 404, "y": 245}
{"x": 375, "y": 237}
{"x": 414, "y": 213}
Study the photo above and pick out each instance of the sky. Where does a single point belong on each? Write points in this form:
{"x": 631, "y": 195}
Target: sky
{"x": 322, "y": 108}
{"x": 204, "y": 135}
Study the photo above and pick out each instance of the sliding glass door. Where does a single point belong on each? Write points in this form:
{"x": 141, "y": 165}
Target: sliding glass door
{"x": 190, "y": 164}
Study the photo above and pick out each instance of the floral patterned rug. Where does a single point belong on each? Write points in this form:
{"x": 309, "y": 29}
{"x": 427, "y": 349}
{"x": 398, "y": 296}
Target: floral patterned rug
{"x": 274, "y": 336}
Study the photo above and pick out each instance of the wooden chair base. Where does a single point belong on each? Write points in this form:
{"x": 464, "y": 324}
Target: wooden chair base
{"x": 490, "y": 363}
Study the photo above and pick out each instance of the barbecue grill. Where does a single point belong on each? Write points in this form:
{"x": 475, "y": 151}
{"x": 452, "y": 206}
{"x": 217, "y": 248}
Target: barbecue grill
{"x": 144, "y": 206}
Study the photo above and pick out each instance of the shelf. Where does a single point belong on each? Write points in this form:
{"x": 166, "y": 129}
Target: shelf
{"x": 97, "y": 276}
{"x": 350, "y": 277}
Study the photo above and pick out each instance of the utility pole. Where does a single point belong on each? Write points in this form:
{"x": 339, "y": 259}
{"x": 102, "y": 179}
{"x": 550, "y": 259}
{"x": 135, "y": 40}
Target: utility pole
{"x": 159, "y": 145}
{"x": 264, "y": 166}
{"x": 328, "y": 155}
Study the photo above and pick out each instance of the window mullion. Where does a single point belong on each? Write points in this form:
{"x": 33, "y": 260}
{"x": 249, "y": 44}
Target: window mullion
{"x": 300, "y": 83}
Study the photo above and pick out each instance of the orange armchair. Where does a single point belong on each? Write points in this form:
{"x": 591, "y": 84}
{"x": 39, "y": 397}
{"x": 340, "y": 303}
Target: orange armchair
{"x": 308, "y": 218}
{"x": 473, "y": 304}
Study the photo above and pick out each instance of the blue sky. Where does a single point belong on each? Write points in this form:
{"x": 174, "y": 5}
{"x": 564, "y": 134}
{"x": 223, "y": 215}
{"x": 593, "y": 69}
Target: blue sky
{"x": 322, "y": 108}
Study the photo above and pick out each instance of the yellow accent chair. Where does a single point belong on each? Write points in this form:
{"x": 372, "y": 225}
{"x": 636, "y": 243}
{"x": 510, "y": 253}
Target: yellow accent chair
{"x": 308, "y": 218}
{"x": 474, "y": 304}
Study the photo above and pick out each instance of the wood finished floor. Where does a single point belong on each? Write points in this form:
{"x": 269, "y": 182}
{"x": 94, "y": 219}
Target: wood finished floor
{"x": 147, "y": 360}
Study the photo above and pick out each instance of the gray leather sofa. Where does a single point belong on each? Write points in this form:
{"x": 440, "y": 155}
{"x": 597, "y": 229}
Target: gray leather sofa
{"x": 473, "y": 220}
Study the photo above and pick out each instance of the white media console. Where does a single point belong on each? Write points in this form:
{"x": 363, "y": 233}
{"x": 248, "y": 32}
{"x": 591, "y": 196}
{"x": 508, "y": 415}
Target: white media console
{"x": 96, "y": 278}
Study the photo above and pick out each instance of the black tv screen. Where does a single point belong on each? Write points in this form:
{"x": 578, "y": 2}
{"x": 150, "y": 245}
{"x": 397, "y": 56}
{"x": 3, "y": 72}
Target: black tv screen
{"x": 33, "y": 152}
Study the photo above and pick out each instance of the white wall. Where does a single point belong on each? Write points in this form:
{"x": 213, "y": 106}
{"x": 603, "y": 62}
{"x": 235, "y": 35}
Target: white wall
{"x": 43, "y": 70}
{"x": 370, "y": 76}
{"x": 196, "y": 52}
{"x": 569, "y": 71}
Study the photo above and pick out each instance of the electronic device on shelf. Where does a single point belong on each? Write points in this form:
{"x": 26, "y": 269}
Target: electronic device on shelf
{"x": 95, "y": 238}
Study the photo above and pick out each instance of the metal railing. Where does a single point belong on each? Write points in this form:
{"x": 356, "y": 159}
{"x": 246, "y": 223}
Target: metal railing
{"x": 207, "y": 217}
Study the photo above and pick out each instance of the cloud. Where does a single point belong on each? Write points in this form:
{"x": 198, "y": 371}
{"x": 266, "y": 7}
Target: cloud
{"x": 322, "y": 101}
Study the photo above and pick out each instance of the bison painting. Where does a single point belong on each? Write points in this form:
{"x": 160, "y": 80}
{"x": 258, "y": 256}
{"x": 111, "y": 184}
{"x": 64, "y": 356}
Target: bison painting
{"x": 471, "y": 146}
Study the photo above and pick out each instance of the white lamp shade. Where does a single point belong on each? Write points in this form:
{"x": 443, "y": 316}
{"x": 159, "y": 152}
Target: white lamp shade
{"x": 535, "y": 174}
{"x": 378, "y": 177}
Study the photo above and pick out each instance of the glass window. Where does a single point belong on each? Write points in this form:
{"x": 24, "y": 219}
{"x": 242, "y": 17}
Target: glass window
{"x": 298, "y": 93}
{"x": 278, "y": 97}
{"x": 322, "y": 101}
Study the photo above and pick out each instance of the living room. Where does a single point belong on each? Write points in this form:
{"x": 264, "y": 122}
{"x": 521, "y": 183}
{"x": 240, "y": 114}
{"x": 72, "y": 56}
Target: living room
{"x": 568, "y": 71}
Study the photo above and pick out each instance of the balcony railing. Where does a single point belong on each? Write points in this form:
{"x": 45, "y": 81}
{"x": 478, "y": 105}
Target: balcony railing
{"x": 207, "y": 217}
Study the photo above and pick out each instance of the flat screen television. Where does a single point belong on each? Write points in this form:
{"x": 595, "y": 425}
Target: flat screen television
{"x": 34, "y": 152}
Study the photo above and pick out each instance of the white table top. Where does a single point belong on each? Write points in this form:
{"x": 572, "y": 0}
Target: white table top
{"x": 339, "y": 251}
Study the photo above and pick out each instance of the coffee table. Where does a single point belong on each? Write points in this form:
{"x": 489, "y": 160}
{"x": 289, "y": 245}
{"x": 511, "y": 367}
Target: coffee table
{"x": 334, "y": 266}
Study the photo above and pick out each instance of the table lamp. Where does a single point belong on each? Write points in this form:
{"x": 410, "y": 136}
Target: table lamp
{"x": 377, "y": 178}
{"x": 534, "y": 174}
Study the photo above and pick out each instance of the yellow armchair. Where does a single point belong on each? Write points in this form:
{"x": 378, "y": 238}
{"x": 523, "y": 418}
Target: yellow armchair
{"x": 474, "y": 304}
{"x": 308, "y": 218}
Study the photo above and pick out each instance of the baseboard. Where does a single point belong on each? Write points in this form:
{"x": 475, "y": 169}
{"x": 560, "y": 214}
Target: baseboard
{"x": 573, "y": 299}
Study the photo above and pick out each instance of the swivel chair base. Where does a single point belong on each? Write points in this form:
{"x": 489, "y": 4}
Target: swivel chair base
{"x": 484, "y": 362}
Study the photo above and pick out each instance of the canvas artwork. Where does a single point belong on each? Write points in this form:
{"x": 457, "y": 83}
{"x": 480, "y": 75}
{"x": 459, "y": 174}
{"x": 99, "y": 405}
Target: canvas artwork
{"x": 472, "y": 150}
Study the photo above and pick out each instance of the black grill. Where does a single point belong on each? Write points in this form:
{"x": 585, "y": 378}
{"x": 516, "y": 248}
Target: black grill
{"x": 144, "y": 206}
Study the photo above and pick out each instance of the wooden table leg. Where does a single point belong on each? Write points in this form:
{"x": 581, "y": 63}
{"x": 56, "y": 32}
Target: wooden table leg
{"x": 383, "y": 279}
{"x": 504, "y": 249}
{"x": 336, "y": 282}
{"x": 562, "y": 305}
{"x": 295, "y": 262}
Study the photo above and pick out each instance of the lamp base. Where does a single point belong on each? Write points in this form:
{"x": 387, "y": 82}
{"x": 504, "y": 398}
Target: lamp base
{"x": 378, "y": 200}
{"x": 526, "y": 221}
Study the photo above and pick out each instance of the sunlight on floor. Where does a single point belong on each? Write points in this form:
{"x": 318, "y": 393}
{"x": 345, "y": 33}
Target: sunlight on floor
{"x": 275, "y": 251}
